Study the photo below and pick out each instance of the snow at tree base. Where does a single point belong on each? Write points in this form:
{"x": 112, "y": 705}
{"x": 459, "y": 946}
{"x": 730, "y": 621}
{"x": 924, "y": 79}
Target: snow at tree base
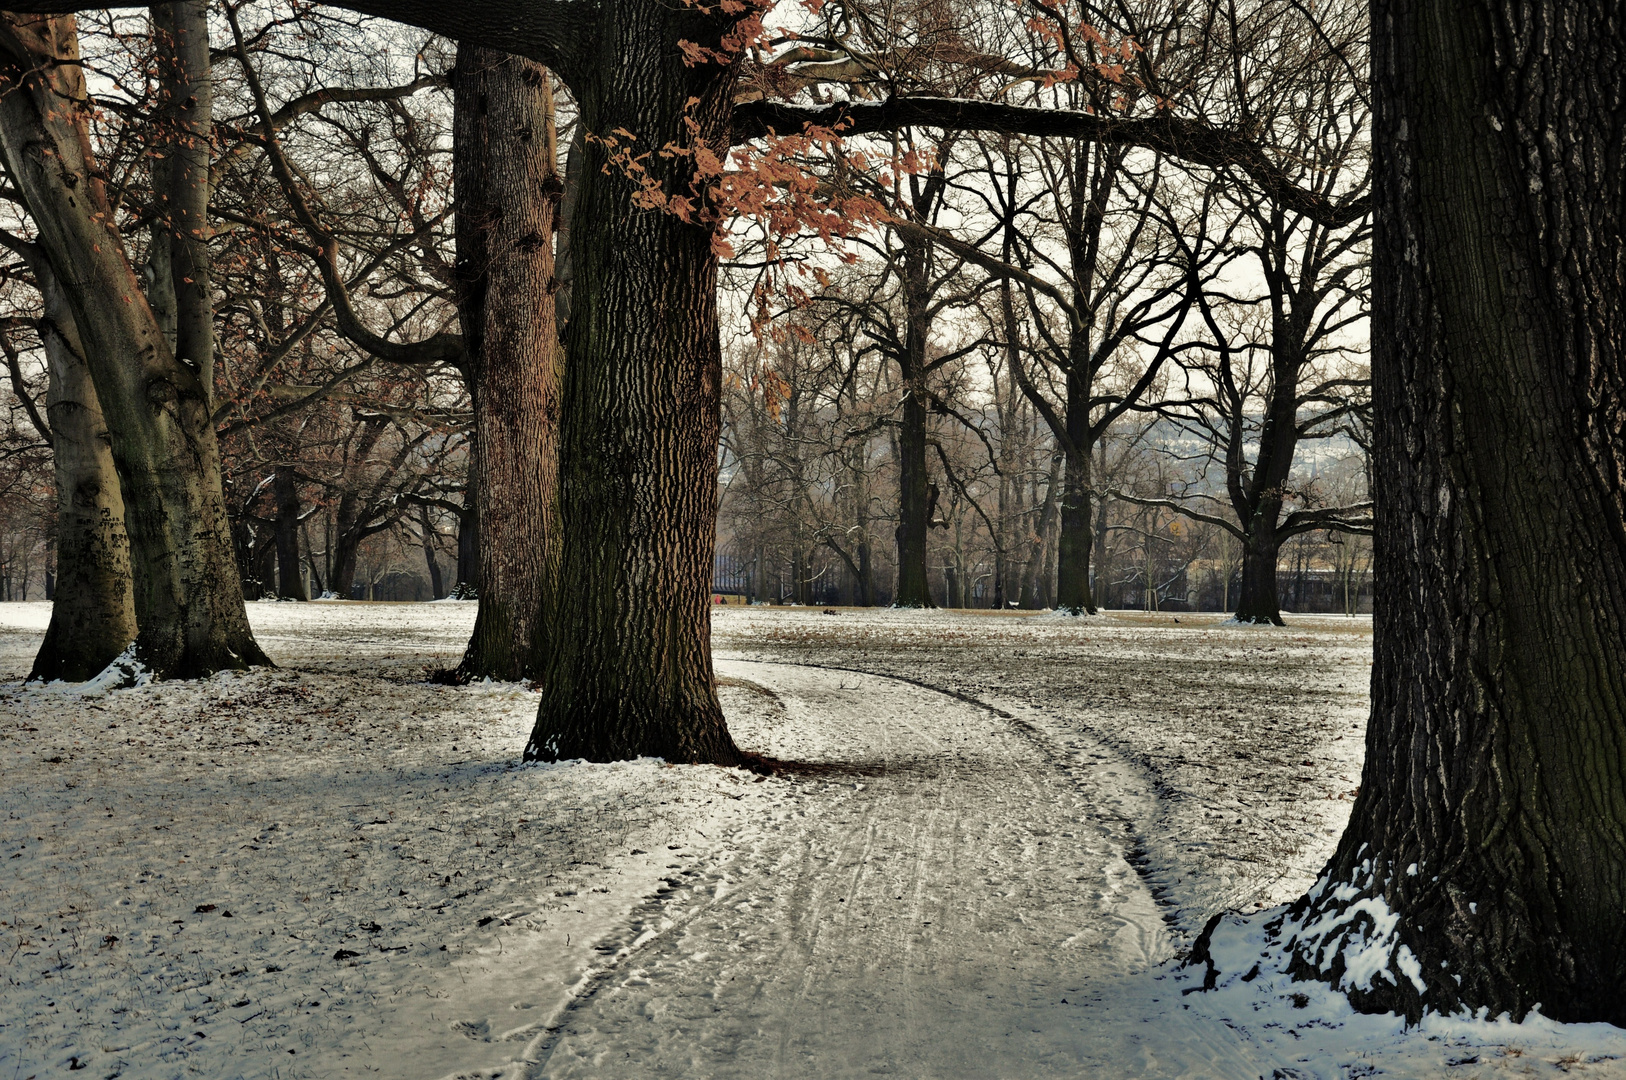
{"x": 985, "y": 858}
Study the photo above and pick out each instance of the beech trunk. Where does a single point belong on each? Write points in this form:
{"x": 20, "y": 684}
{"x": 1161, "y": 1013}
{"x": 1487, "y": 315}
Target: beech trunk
{"x": 93, "y": 606}
{"x": 181, "y": 36}
{"x": 188, "y": 597}
{"x": 507, "y": 192}
{"x": 1492, "y": 812}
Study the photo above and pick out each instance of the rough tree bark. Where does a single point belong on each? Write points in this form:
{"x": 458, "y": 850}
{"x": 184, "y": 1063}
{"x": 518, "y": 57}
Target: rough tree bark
{"x": 188, "y": 598}
{"x": 93, "y": 609}
{"x": 508, "y": 189}
{"x": 1496, "y": 755}
{"x": 629, "y": 669}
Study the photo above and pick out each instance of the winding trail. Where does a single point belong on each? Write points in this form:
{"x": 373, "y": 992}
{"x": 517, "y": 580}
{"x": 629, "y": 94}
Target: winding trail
{"x": 936, "y": 896}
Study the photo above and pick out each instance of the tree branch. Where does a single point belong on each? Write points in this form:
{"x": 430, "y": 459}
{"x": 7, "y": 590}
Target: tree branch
{"x": 556, "y": 33}
{"x": 1191, "y": 141}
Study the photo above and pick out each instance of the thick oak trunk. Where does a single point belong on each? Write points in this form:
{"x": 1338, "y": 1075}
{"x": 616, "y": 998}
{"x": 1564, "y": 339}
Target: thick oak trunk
{"x": 1492, "y": 813}
{"x": 1257, "y": 599}
{"x": 93, "y": 606}
{"x": 187, "y": 593}
{"x": 629, "y": 670}
{"x": 1075, "y": 540}
{"x": 1257, "y": 498}
{"x": 507, "y": 189}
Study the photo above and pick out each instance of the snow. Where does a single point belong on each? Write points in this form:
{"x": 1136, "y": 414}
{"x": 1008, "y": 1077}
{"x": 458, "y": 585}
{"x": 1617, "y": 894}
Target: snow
{"x": 125, "y": 670}
{"x": 997, "y": 834}
{"x": 1307, "y": 1030}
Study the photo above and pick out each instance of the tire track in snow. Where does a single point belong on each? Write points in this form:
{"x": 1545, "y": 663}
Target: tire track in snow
{"x": 1093, "y": 761}
{"x": 931, "y": 894}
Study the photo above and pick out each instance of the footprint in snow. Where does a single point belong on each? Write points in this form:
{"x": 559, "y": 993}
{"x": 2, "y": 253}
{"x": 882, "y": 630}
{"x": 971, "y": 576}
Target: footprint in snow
{"x": 478, "y": 1030}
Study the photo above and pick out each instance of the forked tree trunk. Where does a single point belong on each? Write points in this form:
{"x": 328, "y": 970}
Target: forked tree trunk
{"x": 347, "y": 538}
{"x": 93, "y": 608}
{"x": 629, "y": 670}
{"x": 188, "y": 597}
{"x": 1492, "y": 813}
{"x": 507, "y": 191}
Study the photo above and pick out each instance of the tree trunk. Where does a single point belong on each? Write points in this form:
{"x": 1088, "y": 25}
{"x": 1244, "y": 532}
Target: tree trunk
{"x": 346, "y": 546}
{"x": 437, "y": 584}
{"x": 285, "y": 489}
{"x": 866, "y": 573}
{"x": 188, "y": 598}
{"x": 181, "y": 36}
{"x": 1030, "y": 597}
{"x": 1496, "y": 755}
{"x": 914, "y": 482}
{"x": 1099, "y": 537}
{"x": 1256, "y": 600}
{"x": 466, "y": 585}
{"x": 93, "y": 607}
{"x": 507, "y": 190}
{"x": 318, "y": 585}
{"x": 261, "y": 560}
{"x": 1073, "y": 545}
{"x": 629, "y": 670}
{"x": 913, "y": 524}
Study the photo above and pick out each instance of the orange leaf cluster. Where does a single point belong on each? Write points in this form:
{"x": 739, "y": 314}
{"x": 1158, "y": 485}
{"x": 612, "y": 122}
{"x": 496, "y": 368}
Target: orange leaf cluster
{"x": 747, "y": 30}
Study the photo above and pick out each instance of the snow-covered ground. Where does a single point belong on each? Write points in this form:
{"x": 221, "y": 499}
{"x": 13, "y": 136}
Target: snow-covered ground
{"x": 999, "y": 831}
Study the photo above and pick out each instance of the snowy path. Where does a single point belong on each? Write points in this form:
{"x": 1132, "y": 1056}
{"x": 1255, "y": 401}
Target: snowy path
{"x": 337, "y": 869}
{"x": 932, "y": 900}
